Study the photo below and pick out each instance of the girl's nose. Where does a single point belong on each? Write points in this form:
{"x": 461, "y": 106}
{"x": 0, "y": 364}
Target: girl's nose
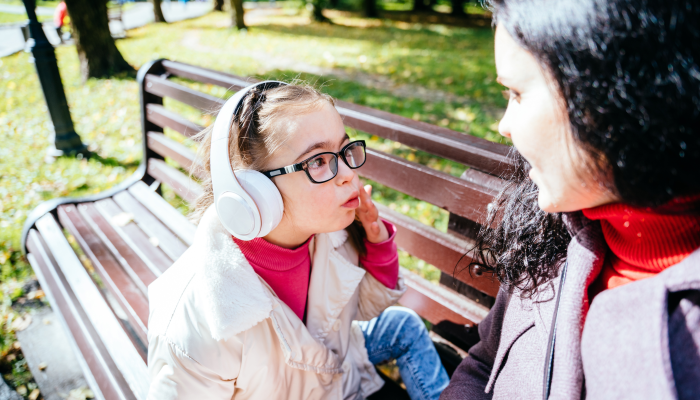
{"x": 345, "y": 173}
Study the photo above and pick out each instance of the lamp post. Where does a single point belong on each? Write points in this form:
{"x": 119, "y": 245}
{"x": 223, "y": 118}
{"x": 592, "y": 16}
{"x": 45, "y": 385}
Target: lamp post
{"x": 66, "y": 141}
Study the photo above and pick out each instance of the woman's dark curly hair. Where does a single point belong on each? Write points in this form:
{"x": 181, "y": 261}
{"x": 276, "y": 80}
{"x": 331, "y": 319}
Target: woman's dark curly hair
{"x": 628, "y": 73}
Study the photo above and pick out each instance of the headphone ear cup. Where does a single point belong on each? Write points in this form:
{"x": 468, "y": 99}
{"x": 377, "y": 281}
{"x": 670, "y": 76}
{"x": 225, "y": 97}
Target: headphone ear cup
{"x": 266, "y": 197}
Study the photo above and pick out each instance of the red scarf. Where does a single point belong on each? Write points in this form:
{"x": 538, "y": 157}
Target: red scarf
{"x": 644, "y": 241}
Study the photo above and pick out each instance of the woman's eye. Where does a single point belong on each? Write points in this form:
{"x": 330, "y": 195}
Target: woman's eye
{"x": 510, "y": 94}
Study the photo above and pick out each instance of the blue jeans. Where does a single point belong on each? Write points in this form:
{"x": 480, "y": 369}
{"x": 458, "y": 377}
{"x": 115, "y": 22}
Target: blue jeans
{"x": 399, "y": 334}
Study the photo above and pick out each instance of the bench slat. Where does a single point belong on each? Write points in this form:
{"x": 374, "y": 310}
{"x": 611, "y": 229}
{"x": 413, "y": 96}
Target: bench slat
{"x": 151, "y": 226}
{"x": 154, "y": 257}
{"x": 440, "y": 249}
{"x": 133, "y": 265}
{"x": 436, "y": 303}
{"x": 130, "y": 298}
{"x": 164, "y": 88}
{"x": 168, "y": 215}
{"x": 164, "y": 118}
{"x": 179, "y": 153}
{"x": 115, "y": 340}
{"x": 185, "y": 187}
{"x": 476, "y": 152}
{"x": 445, "y": 191}
{"x": 99, "y": 369}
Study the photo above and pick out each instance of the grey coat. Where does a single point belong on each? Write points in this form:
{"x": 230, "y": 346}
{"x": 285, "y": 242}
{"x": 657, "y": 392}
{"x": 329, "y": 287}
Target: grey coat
{"x": 639, "y": 341}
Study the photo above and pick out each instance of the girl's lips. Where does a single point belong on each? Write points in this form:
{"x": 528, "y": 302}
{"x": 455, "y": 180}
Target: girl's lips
{"x": 352, "y": 203}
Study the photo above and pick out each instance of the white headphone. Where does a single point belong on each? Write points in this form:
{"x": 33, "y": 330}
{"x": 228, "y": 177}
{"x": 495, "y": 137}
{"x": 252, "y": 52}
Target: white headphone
{"x": 249, "y": 205}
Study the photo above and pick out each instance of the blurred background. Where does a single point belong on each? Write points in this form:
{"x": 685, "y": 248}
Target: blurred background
{"x": 429, "y": 60}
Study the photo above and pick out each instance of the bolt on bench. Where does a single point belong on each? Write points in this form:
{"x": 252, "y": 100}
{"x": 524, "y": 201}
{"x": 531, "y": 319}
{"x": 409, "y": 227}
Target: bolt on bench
{"x": 102, "y": 301}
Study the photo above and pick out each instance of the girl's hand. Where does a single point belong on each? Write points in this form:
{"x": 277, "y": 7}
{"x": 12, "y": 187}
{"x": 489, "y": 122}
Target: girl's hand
{"x": 368, "y": 214}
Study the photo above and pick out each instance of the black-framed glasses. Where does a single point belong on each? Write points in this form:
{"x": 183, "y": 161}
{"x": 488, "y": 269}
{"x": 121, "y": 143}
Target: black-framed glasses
{"x": 323, "y": 167}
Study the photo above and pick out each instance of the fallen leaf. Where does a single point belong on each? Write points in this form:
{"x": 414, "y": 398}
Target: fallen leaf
{"x": 34, "y": 394}
{"x": 47, "y": 321}
{"x": 122, "y": 219}
{"x": 17, "y": 345}
{"x": 21, "y": 323}
{"x": 81, "y": 393}
{"x": 22, "y": 390}
{"x": 36, "y": 294}
{"x": 11, "y": 357}
{"x": 42, "y": 366}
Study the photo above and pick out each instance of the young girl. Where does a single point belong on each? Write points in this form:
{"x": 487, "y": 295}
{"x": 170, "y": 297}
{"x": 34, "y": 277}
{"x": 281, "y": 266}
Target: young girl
{"x": 276, "y": 317}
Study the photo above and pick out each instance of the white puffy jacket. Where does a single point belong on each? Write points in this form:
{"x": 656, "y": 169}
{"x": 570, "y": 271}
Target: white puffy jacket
{"x": 216, "y": 330}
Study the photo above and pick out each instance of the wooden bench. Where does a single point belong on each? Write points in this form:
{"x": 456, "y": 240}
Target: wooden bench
{"x": 100, "y": 291}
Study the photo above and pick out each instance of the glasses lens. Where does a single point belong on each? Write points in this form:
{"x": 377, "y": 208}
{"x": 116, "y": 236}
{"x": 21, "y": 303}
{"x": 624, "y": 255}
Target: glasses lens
{"x": 322, "y": 167}
{"x": 355, "y": 154}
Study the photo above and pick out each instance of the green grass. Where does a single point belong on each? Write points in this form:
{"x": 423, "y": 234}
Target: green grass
{"x": 7, "y": 18}
{"x": 382, "y": 64}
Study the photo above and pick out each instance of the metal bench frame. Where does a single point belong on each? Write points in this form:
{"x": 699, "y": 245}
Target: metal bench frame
{"x": 108, "y": 322}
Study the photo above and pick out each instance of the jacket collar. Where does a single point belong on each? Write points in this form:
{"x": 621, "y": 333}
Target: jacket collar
{"x": 235, "y": 297}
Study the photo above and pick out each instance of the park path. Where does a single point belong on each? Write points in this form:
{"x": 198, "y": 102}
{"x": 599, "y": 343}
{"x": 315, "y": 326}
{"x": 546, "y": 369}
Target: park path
{"x": 140, "y": 14}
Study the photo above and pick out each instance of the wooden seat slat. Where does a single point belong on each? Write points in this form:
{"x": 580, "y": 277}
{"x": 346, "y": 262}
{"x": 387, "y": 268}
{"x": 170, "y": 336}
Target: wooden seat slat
{"x": 442, "y": 250}
{"x": 185, "y": 187}
{"x": 437, "y": 303}
{"x": 99, "y": 369}
{"x": 130, "y": 298}
{"x": 168, "y": 215}
{"x": 476, "y": 152}
{"x": 179, "y": 153}
{"x": 115, "y": 340}
{"x": 133, "y": 265}
{"x": 151, "y": 226}
{"x": 165, "y": 118}
{"x": 445, "y": 191}
{"x": 165, "y": 88}
{"x": 154, "y": 257}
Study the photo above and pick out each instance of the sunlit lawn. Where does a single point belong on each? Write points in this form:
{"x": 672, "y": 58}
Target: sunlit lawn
{"x": 370, "y": 62}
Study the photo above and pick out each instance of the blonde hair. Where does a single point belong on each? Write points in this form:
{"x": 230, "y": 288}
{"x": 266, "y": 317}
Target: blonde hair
{"x": 256, "y": 133}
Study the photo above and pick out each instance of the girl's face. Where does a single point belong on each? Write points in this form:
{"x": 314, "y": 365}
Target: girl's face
{"x": 537, "y": 123}
{"x": 311, "y": 208}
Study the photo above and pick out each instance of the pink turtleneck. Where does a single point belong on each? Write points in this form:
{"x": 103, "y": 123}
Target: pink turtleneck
{"x": 288, "y": 271}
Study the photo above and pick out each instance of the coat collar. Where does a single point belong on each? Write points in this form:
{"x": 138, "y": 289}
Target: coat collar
{"x": 235, "y": 298}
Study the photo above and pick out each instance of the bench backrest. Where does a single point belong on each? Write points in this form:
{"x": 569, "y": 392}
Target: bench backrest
{"x": 462, "y": 298}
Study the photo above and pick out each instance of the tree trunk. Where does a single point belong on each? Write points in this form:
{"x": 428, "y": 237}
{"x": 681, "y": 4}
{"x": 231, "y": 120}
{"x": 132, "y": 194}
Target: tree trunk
{"x": 218, "y": 5}
{"x": 422, "y": 5}
{"x": 370, "y": 7}
{"x": 237, "y": 14}
{"x": 458, "y": 8}
{"x": 98, "y": 54}
{"x": 158, "y": 11}
{"x": 317, "y": 11}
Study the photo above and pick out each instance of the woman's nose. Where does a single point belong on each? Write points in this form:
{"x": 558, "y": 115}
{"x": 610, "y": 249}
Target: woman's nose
{"x": 504, "y": 126}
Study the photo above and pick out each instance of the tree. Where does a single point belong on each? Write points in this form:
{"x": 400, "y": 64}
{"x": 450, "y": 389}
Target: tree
{"x": 158, "y": 11}
{"x": 458, "y": 8}
{"x": 317, "y": 11}
{"x": 97, "y": 52}
{"x": 370, "y": 8}
{"x": 237, "y": 13}
{"x": 422, "y": 5}
{"x": 218, "y": 5}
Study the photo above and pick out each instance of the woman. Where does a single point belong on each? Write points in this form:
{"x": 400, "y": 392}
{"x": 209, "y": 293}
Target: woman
{"x": 596, "y": 240}
{"x": 276, "y": 317}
